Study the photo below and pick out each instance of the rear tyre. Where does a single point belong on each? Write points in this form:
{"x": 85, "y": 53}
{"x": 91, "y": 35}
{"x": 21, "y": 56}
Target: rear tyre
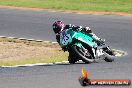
{"x": 71, "y": 60}
{"x": 72, "y": 57}
{"x": 82, "y": 54}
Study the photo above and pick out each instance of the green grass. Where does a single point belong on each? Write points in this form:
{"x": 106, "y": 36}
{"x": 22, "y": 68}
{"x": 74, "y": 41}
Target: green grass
{"x": 88, "y": 5}
{"x": 53, "y": 54}
{"x": 42, "y": 59}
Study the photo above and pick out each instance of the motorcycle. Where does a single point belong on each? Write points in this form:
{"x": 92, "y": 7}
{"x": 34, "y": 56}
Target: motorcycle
{"x": 81, "y": 46}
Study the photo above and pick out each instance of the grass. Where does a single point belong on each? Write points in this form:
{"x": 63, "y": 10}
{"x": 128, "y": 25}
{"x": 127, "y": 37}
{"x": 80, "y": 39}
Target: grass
{"x": 18, "y": 52}
{"x": 42, "y": 59}
{"x": 88, "y": 5}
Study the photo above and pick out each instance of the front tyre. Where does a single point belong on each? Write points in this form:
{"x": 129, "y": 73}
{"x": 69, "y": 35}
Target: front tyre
{"x": 83, "y": 54}
{"x": 109, "y": 55}
{"x": 109, "y": 58}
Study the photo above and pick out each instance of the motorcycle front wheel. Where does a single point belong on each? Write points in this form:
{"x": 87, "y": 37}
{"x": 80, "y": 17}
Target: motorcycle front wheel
{"x": 109, "y": 55}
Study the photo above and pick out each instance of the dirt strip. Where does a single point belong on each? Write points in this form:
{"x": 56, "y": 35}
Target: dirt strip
{"x": 69, "y": 11}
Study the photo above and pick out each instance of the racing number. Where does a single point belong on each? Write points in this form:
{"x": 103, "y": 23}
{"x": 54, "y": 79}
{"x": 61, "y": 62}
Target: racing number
{"x": 65, "y": 39}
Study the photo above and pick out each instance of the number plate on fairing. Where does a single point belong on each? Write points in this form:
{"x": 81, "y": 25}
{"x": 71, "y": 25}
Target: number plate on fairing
{"x": 64, "y": 38}
{"x": 99, "y": 52}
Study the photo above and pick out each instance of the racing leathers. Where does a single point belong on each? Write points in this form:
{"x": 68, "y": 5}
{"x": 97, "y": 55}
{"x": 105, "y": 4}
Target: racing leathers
{"x": 86, "y": 30}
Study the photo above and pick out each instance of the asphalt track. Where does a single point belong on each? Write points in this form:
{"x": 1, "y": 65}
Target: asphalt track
{"x": 117, "y": 30}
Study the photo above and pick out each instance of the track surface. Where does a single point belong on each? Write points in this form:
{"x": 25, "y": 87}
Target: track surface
{"x": 117, "y": 30}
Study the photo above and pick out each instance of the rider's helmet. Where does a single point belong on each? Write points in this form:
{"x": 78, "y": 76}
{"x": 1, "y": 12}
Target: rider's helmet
{"x": 88, "y": 29}
{"x": 58, "y": 26}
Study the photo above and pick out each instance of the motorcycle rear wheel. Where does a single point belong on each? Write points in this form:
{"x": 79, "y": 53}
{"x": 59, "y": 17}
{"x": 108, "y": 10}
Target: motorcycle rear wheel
{"x": 82, "y": 55}
{"x": 71, "y": 59}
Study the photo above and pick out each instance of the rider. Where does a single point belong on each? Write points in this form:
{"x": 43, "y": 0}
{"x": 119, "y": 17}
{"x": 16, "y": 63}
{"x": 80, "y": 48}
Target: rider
{"x": 58, "y": 27}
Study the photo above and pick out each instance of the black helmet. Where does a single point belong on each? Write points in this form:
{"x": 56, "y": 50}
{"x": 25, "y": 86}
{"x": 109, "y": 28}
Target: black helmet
{"x": 58, "y": 26}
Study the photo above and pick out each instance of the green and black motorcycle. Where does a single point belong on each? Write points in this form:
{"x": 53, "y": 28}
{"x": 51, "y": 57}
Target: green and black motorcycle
{"x": 81, "y": 46}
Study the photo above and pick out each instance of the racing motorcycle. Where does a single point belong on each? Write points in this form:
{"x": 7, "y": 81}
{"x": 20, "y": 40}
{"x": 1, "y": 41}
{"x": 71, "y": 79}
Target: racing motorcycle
{"x": 81, "y": 46}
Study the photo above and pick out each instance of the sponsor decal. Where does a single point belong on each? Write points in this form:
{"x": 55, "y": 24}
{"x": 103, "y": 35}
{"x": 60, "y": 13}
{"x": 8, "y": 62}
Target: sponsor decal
{"x": 85, "y": 81}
